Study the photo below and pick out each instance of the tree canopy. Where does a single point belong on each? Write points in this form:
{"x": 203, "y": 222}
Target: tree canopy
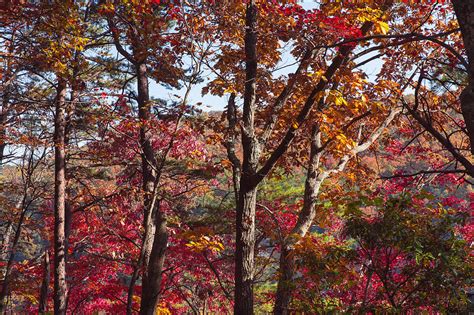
{"x": 246, "y": 157}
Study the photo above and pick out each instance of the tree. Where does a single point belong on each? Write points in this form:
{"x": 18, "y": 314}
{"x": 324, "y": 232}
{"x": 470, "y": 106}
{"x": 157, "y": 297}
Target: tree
{"x": 412, "y": 255}
{"x": 262, "y": 150}
{"x": 463, "y": 9}
{"x": 144, "y": 45}
{"x": 59, "y": 61}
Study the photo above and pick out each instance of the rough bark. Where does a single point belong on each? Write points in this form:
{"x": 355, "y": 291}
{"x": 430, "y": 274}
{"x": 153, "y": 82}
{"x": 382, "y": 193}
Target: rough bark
{"x": 148, "y": 182}
{"x": 156, "y": 241}
{"x": 245, "y": 216}
{"x": 464, "y": 10}
{"x": 285, "y": 285}
{"x": 155, "y": 238}
{"x": 8, "y": 78}
{"x": 67, "y": 227}
{"x": 60, "y": 285}
{"x": 43, "y": 301}
{"x": 147, "y": 306}
{"x": 147, "y": 154}
{"x": 245, "y": 244}
{"x": 152, "y": 283}
{"x": 231, "y": 143}
{"x": 3, "y": 127}
{"x": 70, "y": 109}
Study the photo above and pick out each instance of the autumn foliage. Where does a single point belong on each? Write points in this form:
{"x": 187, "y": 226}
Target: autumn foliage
{"x": 219, "y": 157}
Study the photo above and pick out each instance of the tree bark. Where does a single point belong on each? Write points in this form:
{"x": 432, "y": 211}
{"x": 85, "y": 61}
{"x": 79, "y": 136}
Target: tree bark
{"x": 230, "y": 145}
{"x": 3, "y": 127}
{"x": 148, "y": 183}
{"x": 464, "y": 10}
{"x": 285, "y": 284}
{"x": 147, "y": 155}
{"x": 245, "y": 244}
{"x": 6, "y": 241}
{"x": 155, "y": 238}
{"x": 60, "y": 285}
{"x": 245, "y": 212}
{"x": 8, "y": 77}
{"x": 43, "y": 301}
{"x": 152, "y": 282}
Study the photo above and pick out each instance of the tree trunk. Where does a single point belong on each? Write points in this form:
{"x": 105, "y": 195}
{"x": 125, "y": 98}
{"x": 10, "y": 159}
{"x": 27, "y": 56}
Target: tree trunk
{"x": 156, "y": 235}
{"x": 152, "y": 283}
{"x": 244, "y": 253}
{"x": 314, "y": 179}
{"x": 245, "y": 212}
{"x": 464, "y": 10}
{"x": 6, "y": 107}
{"x": 6, "y": 241}
{"x": 285, "y": 284}
{"x": 70, "y": 109}
{"x": 43, "y": 302}
{"x": 155, "y": 238}
{"x": 3, "y": 128}
{"x": 147, "y": 155}
{"x": 60, "y": 285}
{"x": 67, "y": 227}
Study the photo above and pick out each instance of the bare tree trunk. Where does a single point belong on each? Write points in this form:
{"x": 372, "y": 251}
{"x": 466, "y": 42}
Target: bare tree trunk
{"x": 245, "y": 216}
{"x": 152, "y": 286}
{"x": 155, "y": 238}
{"x": 148, "y": 172}
{"x": 43, "y": 301}
{"x": 70, "y": 109}
{"x": 60, "y": 285}
{"x": 285, "y": 285}
{"x": 148, "y": 184}
{"x": 67, "y": 227}
{"x": 68, "y": 213}
{"x": 147, "y": 155}
{"x": 464, "y": 10}
{"x": 3, "y": 127}
{"x": 230, "y": 145}
{"x": 245, "y": 245}
{"x": 6, "y": 106}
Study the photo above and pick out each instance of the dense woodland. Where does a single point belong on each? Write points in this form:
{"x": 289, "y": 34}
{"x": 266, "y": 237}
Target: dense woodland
{"x": 245, "y": 157}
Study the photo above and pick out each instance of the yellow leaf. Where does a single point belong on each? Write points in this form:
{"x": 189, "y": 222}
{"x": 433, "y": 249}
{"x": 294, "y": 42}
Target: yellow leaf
{"x": 382, "y": 27}
{"x": 230, "y": 89}
{"x": 339, "y": 100}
